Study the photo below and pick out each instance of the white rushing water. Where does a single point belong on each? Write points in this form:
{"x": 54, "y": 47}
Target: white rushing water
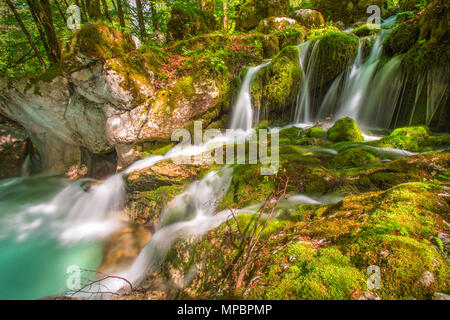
{"x": 243, "y": 113}
{"x": 75, "y": 217}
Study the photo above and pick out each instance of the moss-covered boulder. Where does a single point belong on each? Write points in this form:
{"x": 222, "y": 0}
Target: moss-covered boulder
{"x": 345, "y": 129}
{"x": 253, "y": 11}
{"x": 354, "y": 157}
{"x": 413, "y": 138}
{"x": 308, "y": 17}
{"x": 366, "y": 30}
{"x": 316, "y": 132}
{"x": 336, "y": 52}
{"x": 272, "y": 24}
{"x": 276, "y": 86}
{"x": 402, "y": 37}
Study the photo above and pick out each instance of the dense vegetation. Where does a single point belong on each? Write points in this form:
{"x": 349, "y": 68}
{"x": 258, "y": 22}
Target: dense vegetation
{"x": 90, "y": 102}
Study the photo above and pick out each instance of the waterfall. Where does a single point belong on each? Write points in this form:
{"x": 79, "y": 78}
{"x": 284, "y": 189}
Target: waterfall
{"x": 242, "y": 116}
{"x": 308, "y": 61}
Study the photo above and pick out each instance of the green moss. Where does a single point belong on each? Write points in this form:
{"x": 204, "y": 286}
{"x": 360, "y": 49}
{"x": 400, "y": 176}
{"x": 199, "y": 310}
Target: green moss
{"x": 336, "y": 52}
{"x": 299, "y": 272}
{"x": 412, "y": 138}
{"x": 345, "y": 129}
{"x": 279, "y": 81}
{"x": 366, "y": 30}
{"x": 354, "y": 157}
{"x": 316, "y": 132}
{"x": 402, "y": 37}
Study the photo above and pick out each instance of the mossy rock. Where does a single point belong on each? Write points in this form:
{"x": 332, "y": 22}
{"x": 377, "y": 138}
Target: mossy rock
{"x": 336, "y": 52}
{"x": 345, "y": 129}
{"x": 300, "y": 272}
{"x": 316, "y": 132}
{"x": 275, "y": 24}
{"x": 402, "y": 37}
{"x": 276, "y": 86}
{"x": 354, "y": 157}
{"x": 291, "y": 36}
{"x": 308, "y": 17}
{"x": 412, "y": 138}
{"x": 253, "y": 11}
{"x": 366, "y": 30}
{"x": 97, "y": 41}
{"x": 290, "y": 133}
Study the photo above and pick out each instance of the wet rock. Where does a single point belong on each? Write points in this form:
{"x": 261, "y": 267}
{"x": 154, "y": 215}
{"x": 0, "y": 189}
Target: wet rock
{"x": 122, "y": 248}
{"x": 13, "y": 150}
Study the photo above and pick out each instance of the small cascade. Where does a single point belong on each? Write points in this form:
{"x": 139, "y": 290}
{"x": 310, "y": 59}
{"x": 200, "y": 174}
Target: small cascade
{"x": 362, "y": 91}
{"x": 189, "y": 215}
{"x": 433, "y": 84}
{"x": 308, "y": 53}
{"x": 242, "y": 116}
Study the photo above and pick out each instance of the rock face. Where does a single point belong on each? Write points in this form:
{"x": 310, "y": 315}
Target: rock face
{"x": 105, "y": 98}
{"x": 13, "y": 149}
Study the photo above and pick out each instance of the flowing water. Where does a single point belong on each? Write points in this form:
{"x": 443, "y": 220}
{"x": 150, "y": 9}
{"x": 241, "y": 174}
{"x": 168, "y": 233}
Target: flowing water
{"x": 243, "y": 116}
{"x": 49, "y": 224}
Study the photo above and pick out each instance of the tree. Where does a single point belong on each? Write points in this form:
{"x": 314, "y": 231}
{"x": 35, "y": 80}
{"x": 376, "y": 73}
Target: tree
{"x": 121, "y": 15}
{"x": 45, "y": 15}
{"x": 140, "y": 19}
{"x": 154, "y": 15}
{"x": 27, "y": 34}
{"x": 39, "y": 27}
{"x": 93, "y": 8}
{"x": 61, "y": 12}
{"x": 106, "y": 9}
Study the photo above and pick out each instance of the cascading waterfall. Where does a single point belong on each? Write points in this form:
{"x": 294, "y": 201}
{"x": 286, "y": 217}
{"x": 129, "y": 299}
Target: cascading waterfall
{"x": 62, "y": 224}
{"x": 243, "y": 113}
{"x": 75, "y": 220}
{"x": 367, "y": 91}
{"x": 308, "y": 61}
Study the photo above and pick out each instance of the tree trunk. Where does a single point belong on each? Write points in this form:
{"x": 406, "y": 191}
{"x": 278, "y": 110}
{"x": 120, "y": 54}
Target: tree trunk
{"x": 154, "y": 17}
{"x": 140, "y": 19}
{"x": 61, "y": 12}
{"x": 80, "y": 5}
{"x": 84, "y": 9}
{"x": 45, "y": 15}
{"x": 121, "y": 15}
{"x": 27, "y": 34}
{"x": 225, "y": 15}
{"x": 38, "y": 23}
{"x": 106, "y": 9}
{"x": 93, "y": 8}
